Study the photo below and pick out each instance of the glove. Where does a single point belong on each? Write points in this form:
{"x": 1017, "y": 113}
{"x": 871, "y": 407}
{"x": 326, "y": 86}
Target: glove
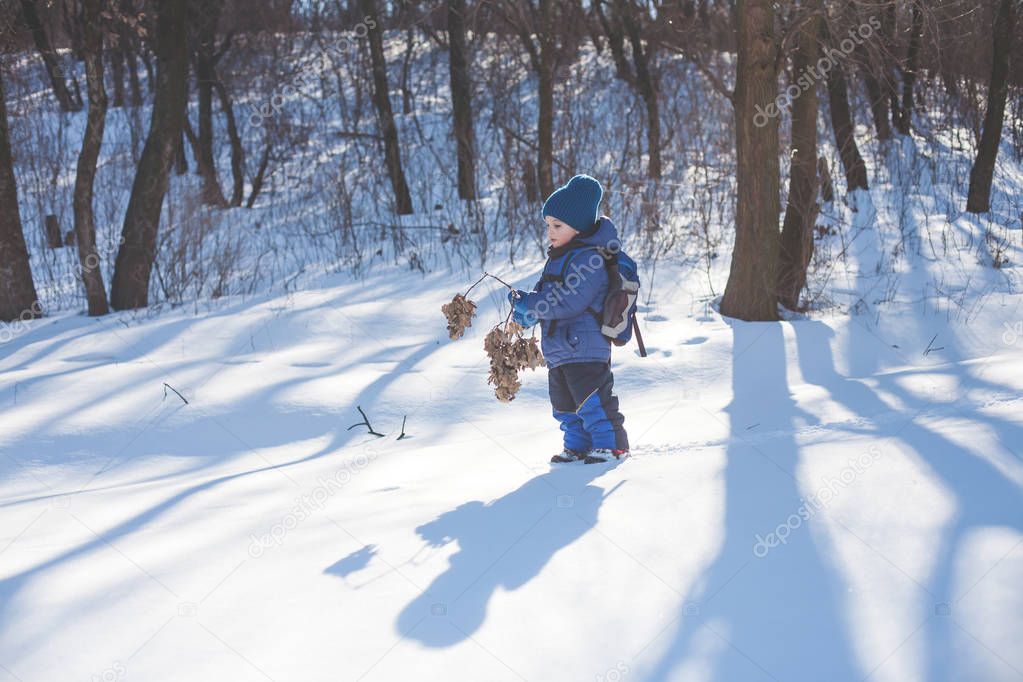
{"x": 520, "y": 312}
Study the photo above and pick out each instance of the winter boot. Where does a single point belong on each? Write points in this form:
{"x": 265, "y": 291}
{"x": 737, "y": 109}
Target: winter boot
{"x": 568, "y": 455}
{"x": 605, "y": 455}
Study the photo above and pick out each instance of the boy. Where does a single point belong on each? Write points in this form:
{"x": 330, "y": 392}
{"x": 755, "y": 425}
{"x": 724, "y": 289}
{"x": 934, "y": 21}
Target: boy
{"x": 568, "y": 301}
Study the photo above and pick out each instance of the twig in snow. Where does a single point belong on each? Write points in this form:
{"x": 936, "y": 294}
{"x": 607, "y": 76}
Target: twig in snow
{"x": 929, "y": 349}
{"x": 364, "y": 422}
{"x": 166, "y": 386}
{"x": 403, "y": 427}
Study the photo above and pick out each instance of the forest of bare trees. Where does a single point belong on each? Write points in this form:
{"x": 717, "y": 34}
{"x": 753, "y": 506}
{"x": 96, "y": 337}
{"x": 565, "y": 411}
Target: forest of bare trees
{"x": 633, "y": 340}
{"x": 200, "y": 89}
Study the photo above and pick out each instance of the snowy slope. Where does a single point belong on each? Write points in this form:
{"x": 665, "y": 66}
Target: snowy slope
{"x": 836, "y": 497}
{"x": 249, "y": 535}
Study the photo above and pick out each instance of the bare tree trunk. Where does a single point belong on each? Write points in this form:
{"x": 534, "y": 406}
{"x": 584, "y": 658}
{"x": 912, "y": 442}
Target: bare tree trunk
{"x": 824, "y": 176}
{"x": 85, "y": 226}
{"x": 130, "y": 288}
{"x": 545, "y": 119}
{"x": 529, "y": 181}
{"x": 653, "y": 133}
{"x": 801, "y": 211}
{"x": 133, "y": 76}
{"x": 206, "y": 16}
{"x": 257, "y": 181}
{"x": 67, "y": 101}
{"x": 750, "y": 292}
{"x": 842, "y": 123}
{"x": 180, "y": 158}
{"x": 17, "y": 292}
{"x": 889, "y": 22}
{"x": 461, "y": 99}
{"x": 147, "y": 62}
{"x": 385, "y": 116}
{"x": 116, "y": 56}
{"x": 406, "y": 71}
{"x": 645, "y": 85}
{"x": 128, "y": 47}
{"x": 909, "y": 73}
{"x": 979, "y": 198}
{"x": 71, "y": 21}
{"x": 869, "y": 62}
{"x": 544, "y": 61}
{"x": 237, "y": 150}
{"x": 878, "y": 105}
{"x": 616, "y": 43}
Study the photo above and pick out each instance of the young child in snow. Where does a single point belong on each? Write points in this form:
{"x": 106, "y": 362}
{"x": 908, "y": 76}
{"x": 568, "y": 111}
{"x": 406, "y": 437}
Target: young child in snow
{"x": 568, "y": 302}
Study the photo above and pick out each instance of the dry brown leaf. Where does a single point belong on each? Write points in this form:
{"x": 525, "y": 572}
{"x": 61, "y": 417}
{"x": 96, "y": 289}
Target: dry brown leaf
{"x": 509, "y": 353}
{"x": 459, "y": 313}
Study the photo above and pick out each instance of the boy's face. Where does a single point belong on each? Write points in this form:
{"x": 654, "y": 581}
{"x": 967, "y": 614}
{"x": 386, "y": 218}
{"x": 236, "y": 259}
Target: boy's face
{"x": 558, "y": 232}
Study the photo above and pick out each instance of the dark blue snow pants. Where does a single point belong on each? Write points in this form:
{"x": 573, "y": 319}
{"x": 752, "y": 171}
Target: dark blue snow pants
{"x": 584, "y": 405}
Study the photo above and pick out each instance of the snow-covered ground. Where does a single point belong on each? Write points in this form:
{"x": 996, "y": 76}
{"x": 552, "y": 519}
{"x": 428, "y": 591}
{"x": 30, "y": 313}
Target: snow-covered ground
{"x": 831, "y": 497}
{"x": 828, "y": 498}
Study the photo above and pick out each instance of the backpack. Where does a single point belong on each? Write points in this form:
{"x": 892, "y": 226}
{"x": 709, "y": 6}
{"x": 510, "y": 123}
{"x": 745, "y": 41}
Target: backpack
{"x": 617, "y": 319}
{"x": 619, "y": 314}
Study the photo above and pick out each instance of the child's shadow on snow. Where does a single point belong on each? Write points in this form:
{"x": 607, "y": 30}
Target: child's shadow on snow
{"x": 503, "y": 543}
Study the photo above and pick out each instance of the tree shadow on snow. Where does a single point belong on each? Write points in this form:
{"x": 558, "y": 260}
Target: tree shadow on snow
{"x": 761, "y": 613}
{"x": 214, "y": 443}
{"x": 983, "y": 496}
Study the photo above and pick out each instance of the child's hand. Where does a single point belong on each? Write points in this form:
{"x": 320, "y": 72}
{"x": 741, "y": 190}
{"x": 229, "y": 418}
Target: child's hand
{"x": 520, "y": 313}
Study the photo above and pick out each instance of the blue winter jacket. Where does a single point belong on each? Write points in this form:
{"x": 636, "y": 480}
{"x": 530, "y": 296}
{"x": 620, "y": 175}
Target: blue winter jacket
{"x": 569, "y": 310}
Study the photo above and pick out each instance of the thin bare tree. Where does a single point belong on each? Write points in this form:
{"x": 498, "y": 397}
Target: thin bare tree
{"x": 548, "y": 21}
{"x": 92, "y": 141}
{"x": 17, "y": 291}
{"x": 385, "y": 115}
{"x": 796, "y": 246}
{"x": 68, "y": 98}
{"x": 130, "y": 286}
{"x": 843, "y": 124}
{"x": 461, "y": 99}
{"x": 982, "y": 174}
{"x": 909, "y": 71}
{"x": 626, "y": 19}
{"x": 204, "y": 16}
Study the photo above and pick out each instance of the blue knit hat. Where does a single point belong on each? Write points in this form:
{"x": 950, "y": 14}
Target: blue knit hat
{"x": 576, "y": 204}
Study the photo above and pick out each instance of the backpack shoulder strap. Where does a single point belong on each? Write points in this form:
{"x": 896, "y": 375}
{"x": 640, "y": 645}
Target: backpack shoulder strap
{"x": 567, "y": 260}
{"x": 572, "y": 254}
